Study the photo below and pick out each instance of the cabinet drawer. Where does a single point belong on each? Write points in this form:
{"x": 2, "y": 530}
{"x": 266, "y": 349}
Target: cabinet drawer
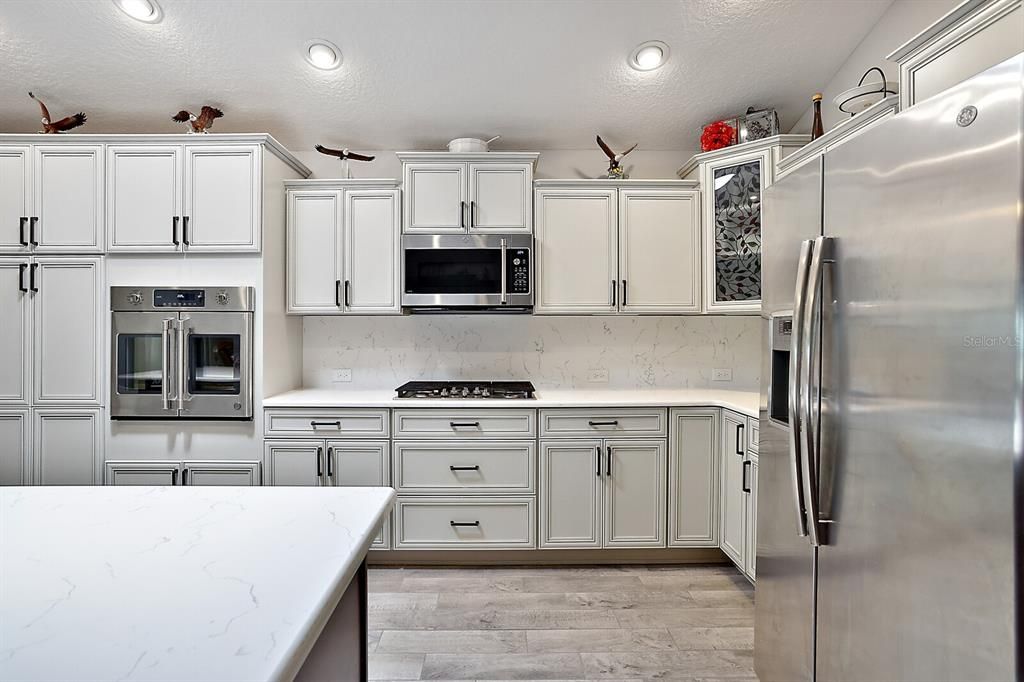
{"x": 754, "y": 438}
{"x": 459, "y": 424}
{"x": 587, "y": 423}
{"x": 327, "y": 423}
{"x": 438, "y": 523}
{"x": 464, "y": 467}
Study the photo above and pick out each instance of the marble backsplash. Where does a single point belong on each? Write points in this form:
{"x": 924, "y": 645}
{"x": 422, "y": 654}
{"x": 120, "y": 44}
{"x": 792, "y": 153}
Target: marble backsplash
{"x": 552, "y": 352}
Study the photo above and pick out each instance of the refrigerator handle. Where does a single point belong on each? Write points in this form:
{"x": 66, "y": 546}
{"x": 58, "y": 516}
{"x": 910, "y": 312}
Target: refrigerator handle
{"x": 796, "y": 349}
{"x": 810, "y": 379}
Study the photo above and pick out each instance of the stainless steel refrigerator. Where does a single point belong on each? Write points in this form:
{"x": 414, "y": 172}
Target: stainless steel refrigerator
{"x": 888, "y": 539}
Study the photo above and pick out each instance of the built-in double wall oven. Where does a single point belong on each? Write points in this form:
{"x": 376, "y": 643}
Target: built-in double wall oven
{"x": 181, "y": 353}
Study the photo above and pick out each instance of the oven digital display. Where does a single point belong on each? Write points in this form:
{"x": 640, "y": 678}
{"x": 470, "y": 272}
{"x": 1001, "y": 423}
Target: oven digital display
{"x": 179, "y": 298}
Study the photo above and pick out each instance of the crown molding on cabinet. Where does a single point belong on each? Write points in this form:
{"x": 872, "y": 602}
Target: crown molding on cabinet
{"x": 335, "y": 183}
{"x": 596, "y": 183}
{"x": 468, "y": 157}
{"x": 956, "y": 18}
{"x": 264, "y": 139}
{"x": 756, "y": 145}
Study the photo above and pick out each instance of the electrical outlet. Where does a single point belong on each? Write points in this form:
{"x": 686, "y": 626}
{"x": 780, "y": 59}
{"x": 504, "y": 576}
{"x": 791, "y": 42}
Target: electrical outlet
{"x": 598, "y": 376}
{"x": 342, "y": 375}
{"x": 721, "y": 374}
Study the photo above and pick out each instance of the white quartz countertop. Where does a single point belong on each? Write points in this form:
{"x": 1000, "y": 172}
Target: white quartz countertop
{"x": 745, "y": 402}
{"x": 161, "y": 583}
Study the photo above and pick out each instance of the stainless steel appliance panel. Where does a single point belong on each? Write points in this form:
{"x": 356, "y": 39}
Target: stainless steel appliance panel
{"x": 144, "y": 365}
{"x": 919, "y": 390}
{"x": 784, "y": 615}
{"x": 215, "y": 378}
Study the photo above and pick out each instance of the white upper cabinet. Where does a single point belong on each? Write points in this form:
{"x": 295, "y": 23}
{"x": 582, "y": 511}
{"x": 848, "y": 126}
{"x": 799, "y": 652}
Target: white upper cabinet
{"x": 144, "y": 197}
{"x": 222, "y": 198}
{"x": 15, "y": 198}
{"x": 576, "y": 245}
{"x": 67, "y": 198}
{"x": 343, "y": 247}
{"x": 15, "y": 331}
{"x": 456, "y": 193}
{"x": 659, "y": 251}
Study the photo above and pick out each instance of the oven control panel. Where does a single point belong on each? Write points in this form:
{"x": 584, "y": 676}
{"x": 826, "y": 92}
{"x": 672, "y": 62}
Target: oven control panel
{"x": 519, "y": 271}
{"x": 179, "y": 298}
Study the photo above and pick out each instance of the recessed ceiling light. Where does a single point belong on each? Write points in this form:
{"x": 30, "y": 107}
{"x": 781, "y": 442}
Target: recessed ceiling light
{"x": 323, "y": 54}
{"x": 142, "y": 10}
{"x": 649, "y": 56}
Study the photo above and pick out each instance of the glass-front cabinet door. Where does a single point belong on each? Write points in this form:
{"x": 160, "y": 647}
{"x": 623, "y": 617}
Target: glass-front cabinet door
{"x": 733, "y": 232}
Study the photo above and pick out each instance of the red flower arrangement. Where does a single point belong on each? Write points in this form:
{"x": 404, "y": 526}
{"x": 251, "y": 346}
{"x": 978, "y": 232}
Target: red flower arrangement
{"x": 717, "y": 135}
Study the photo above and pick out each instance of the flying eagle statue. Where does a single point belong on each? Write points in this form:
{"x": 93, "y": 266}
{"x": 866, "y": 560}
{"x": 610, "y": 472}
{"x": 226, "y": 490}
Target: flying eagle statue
{"x": 64, "y": 124}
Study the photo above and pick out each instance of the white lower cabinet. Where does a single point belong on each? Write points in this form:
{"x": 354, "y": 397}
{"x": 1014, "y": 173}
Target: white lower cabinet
{"x": 66, "y": 446}
{"x": 175, "y": 472}
{"x": 750, "y": 558}
{"x": 733, "y": 499}
{"x": 15, "y": 448}
{"x": 693, "y": 477}
{"x": 464, "y": 523}
{"x": 603, "y": 493}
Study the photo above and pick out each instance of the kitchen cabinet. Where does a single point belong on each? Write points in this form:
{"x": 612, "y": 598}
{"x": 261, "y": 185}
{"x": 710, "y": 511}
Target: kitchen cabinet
{"x": 222, "y": 198}
{"x": 15, "y": 198}
{"x": 464, "y": 523}
{"x": 693, "y": 489}
{"x": 750, "y": 549}
{"x": 15, "y": 331}
{"x": 144, "y": 188}
{"x": 66, "y": 447}
{"x": 732, "y": 532}
{"x": 643, "y": 247}
{"x": 456, "y": 193}
{"x": 175, "y": 472}
{"x": 67, "y": 194}
{"x": 343, "y": 247}
{"x": 602, "y": 493}
{"x": 15, "y": 448}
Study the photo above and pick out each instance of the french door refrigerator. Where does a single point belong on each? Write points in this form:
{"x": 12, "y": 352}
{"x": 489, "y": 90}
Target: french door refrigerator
{"x": 888, "y": 538}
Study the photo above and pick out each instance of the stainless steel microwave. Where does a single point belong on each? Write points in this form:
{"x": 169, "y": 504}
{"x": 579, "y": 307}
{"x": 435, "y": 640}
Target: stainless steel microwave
{"x": 467, "y": 272}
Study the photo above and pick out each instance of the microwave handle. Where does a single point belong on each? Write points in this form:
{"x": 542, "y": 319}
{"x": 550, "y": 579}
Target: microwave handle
{"x": 504, "y": 271}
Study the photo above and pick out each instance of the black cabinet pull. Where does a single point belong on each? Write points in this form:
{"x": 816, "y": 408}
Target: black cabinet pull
{"x": 330, "y": 460}
{"x": 174, "y": 230}
{"x": 475, "y": 467}
{"x": 608, "y": 471}
{"x": 456, "y": 425}
{"x": 22, "y": 223}
{"x": 613, "y": 422}
{"x": 462, "y": 214}
{"x": 472, "y": 214}
{"x": 319, "y": 461}
{"x": 739, "y": 439}
{"x": 460, "y": 524}
{"x": 22, "y": 267}
{"x": 337, "y": 292}
{"x": 32, "y": 277}
{"x": 615, "y": 294}
{"x": 32, "y": 230}
{"x": 184, "y": 476}
{"x": 348, "y": 296}
{"x": 745, "y": 484}
{"x": 174, "y": 477}
{"x": 184, "y": 231}
{"x": 315, "y": 424}
{"x": 623, "y": 292}
{"x": 597, "y": 456}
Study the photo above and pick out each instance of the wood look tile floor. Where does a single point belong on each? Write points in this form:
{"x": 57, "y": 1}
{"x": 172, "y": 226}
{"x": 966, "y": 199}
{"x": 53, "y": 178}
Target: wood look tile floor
{"x": 597, "y": 623}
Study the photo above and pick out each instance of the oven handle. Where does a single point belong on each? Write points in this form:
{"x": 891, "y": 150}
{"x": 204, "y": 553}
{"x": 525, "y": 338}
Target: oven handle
{"x": 165, "y": 365}
{"x": 184, "y": 332}
{"x": 504, "y": 271}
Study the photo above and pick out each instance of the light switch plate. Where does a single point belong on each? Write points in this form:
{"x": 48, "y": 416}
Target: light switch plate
{"x": 342, "y": 375}
{"x": 721, "y": 374}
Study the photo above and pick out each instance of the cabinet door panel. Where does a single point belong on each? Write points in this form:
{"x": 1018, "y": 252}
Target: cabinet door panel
{"x": 68, "y": 357}
{"x": 733, "y": 499}
{"x": 363, "y": 463}
{"x": 295, "y": 462}
{"x": 634, "y": 493}
{"x": 499, "y": 197}
{"x": 435, "y": 197}
{"x": 142, "y": 473}
{"x": 15, "y": 452}
{"x": 68, "y": 191}
{"x": 693, "y": 477}
{"x": 15, "y": 197}
{"x": 314, "y": 251}
{"x": 659, "y": 251}
{"x": 143, "y": 198}
{"x": 221, "y": 473}
{"x": 15, "y": 332}
{"x": 750, "y": 557}
{"x": 570, "y": 494}
{"x": 66, "y": 446}
{"x": 222, "y": 198}
{"x": 372, "y": 251}
{"x": 576, "y": 251}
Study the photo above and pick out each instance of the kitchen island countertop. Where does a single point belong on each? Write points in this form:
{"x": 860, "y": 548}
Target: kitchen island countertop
{"x": 744, "y": 402}
{"x": 175, "y": 583}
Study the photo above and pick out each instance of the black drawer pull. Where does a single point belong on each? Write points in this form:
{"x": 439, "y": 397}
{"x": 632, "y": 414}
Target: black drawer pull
{"x": 461, "y": 524}
{"x": 739, "y": 439}
{"x": 745, "y": 484}
{"x": 456, "y": 425}
{"x": 315, "y": 424}
{"x": 475, "y": 467}
{"x": 614, "y": 422}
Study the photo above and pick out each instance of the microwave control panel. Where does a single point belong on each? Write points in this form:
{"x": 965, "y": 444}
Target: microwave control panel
{"x": 519, "y": 267}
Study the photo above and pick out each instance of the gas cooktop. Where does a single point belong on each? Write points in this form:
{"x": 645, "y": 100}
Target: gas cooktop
{"x": 500, "y": 390}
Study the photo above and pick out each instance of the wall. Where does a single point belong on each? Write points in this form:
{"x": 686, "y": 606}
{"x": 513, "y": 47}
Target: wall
{"x": 902, "y": 21}
{"x": 553, "y": 352}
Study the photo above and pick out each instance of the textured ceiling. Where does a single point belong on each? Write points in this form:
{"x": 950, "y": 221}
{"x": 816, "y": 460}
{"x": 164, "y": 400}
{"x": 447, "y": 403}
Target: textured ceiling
{"x": 545, "y": 74}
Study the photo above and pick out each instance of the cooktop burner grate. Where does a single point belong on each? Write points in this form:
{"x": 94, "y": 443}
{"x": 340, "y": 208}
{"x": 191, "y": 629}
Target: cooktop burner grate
{"x": 500, "y": 390}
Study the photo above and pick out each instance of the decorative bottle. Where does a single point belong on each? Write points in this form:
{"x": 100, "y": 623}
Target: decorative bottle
{"x": 817, "y": 130}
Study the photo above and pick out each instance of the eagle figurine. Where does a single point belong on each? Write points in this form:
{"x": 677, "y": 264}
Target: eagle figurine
{"x": 343, "y": 154}
{"x": 615, "y": 171}
{"x": 201, "y": 123}
{"x": 53, "y": 127}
